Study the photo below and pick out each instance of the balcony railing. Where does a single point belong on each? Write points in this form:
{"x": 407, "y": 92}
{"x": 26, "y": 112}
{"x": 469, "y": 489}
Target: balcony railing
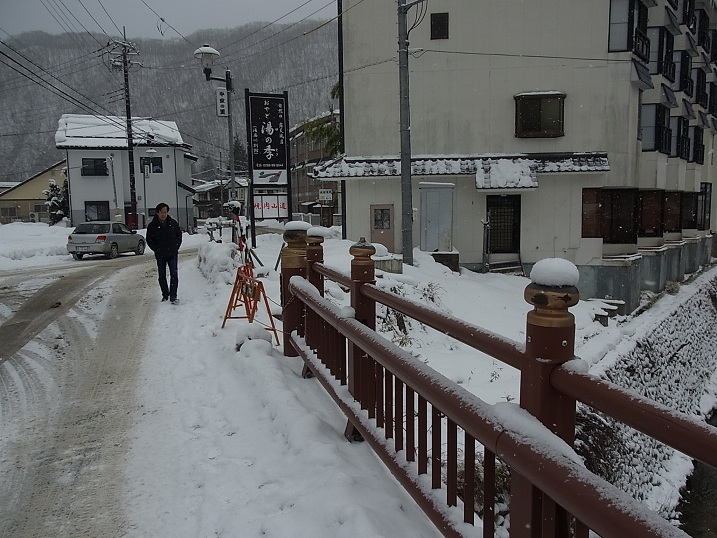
{"x": 699, "y": 154}
{"x": 664, "y": 140}
{"x": 687, "y": 85}
{"x": 683, "y": 147}
{"x": 690, "y": 20}
{"x": 667, "y": 69}
{"x": 704, "y": 40}
{"x": 712, "y": 109}
{"x": 702, "y": 98}
{"x": 641, "y": 45}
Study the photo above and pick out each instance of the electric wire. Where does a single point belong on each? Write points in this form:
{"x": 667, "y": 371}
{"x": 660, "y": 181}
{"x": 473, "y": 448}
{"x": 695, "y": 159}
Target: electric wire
{"x": 110, "y": 17}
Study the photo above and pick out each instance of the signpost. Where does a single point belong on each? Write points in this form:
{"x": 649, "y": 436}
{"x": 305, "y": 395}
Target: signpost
{"x": 267, "y": 126}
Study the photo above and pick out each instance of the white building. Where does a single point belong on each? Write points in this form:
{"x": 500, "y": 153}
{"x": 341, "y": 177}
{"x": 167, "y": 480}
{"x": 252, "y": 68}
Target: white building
{"x": 98, "y": 169}
{"x": 584, "y": 129}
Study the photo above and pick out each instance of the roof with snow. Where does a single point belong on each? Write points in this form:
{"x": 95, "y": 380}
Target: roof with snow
{"x": 200, "y": 185}
{"x": 492, "y": 171}
{"x": 84, "y": 131}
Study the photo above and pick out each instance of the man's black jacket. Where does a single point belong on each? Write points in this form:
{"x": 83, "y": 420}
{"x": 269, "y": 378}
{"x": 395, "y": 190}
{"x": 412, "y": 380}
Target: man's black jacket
{"x": 164, "y": 238}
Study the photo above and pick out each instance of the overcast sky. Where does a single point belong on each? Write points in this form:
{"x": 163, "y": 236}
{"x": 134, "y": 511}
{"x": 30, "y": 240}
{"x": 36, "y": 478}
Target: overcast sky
{"x": 187, "y": 16}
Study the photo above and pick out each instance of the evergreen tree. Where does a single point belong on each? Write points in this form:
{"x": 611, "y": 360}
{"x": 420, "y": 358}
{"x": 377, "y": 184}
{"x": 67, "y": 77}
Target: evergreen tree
{"x": 327, "y": 132}
{"x": 240, "y": 156}
{"x": 57, "y": 201}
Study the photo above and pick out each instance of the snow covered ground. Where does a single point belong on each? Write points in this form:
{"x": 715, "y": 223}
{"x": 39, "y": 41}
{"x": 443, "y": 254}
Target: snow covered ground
{"x": 237, "y": 444}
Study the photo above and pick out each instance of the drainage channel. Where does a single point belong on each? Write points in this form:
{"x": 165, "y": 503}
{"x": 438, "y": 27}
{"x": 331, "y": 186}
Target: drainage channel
{"x": 699, "y": 505}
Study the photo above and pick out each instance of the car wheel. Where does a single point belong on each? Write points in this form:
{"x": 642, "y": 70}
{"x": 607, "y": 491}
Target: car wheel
{"x": 77, "y": 256}
{"x": 114, "y": 251}
{"x": 140, "y": 248}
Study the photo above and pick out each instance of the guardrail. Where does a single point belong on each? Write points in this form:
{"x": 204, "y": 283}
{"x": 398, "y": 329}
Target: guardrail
{"x": 425, "y": 428}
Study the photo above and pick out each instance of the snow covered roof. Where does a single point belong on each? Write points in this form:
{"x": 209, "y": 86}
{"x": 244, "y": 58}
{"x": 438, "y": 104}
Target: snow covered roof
{"x": 204, "y": 186}
{"x": 84, "y": 131}
{"x": 491, "y": 171}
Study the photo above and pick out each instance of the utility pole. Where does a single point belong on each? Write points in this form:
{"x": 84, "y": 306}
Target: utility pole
{"x": 128, "y": 49}
{"x": 405, "y": 125}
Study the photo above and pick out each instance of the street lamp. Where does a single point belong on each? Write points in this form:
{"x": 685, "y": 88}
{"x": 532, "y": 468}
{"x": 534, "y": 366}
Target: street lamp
{"x": 207, "y": 55}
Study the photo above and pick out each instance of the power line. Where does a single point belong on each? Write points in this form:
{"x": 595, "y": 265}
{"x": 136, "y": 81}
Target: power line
{"x": 46, "y": 82}
{"x": 110, "y": 17}
{"x": 169, "y": 25}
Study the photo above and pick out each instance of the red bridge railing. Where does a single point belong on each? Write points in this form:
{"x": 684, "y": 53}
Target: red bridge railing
{"x": 426, "y": 428}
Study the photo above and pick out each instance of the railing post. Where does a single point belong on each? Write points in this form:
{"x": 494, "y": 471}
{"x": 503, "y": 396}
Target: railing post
{"x": 293, "y": 263}
{"x": 359, "y": 374}
{"x": 550, "y": 341}
{"x": 316, "y": 333}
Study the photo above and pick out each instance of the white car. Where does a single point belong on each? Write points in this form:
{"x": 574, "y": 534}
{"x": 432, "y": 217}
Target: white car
{"x": 104, "y": 237}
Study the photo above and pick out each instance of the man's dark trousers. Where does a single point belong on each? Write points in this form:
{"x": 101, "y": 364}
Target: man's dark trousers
{"x": 162, "y": 264}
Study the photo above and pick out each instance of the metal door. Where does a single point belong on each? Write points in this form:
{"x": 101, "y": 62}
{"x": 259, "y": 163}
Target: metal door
{"x": 382, "y": 225}
{"x": 504, "y": 212}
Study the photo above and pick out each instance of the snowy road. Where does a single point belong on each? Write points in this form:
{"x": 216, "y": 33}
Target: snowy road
{"x": 68, "y": 395}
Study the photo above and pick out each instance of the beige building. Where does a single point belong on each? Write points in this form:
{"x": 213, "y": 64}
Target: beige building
{"x": 314, "y": 200}
{"x": 579, "y": 130}
{"x": 25, "y": 202}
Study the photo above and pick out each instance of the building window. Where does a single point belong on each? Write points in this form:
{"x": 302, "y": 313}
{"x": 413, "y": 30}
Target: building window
{"x": 39, "y": 208}
{"x": 97, "y": 211}
{"x": 704, "y": 205}
{"x": 628, "y": 28}
{"x": 662, "y": 46}
{"x": 689, "y": 210}
{"x": 679, "y": 130}
{"x": 650, "y": 211}
{"x": 94, "y": 167}
{"x": 8, "y": 212}
{"x": 654, "y": 128}
{"x": 672, "y": 210}
{"x": 155, "y": 164}
{"x": 698, "y": 148}
{"x": 539, "y": 115}
{"x": 683, "y": 69}
{"x": 591, "y": 213}
{"x": 439, "y": 25}
{"x": 618, "y": 212}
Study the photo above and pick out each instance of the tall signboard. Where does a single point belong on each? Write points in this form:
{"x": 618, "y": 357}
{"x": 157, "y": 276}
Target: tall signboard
{"x": 267, "y": 125}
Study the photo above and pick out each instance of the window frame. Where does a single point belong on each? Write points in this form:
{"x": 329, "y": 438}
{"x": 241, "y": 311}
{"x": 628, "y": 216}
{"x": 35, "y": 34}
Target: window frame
{"x": 151, "y": 161}
{"x": 521, "y": 101}
{"x": 618, "y": 225}
{"x": 440, "y": 26}
{"x": 650, "y": 211}
{"x": 92, "y": 166}
{"x": 688, "y": 214}
{"x": 591, "y": 213}
{"x": 672, "y": 212}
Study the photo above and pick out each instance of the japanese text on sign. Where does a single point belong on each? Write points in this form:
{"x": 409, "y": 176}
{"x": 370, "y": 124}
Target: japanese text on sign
{"x": 267, "y": 125}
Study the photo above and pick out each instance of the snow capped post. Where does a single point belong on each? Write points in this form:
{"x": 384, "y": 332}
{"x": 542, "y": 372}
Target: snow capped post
{"x": 549, "y": 342}
{"x": 360, "y": 377}
{"x": 293, "y": 263}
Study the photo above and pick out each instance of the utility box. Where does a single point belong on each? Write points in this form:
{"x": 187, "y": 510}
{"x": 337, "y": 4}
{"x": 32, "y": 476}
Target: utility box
{"x": 436, "y": 216}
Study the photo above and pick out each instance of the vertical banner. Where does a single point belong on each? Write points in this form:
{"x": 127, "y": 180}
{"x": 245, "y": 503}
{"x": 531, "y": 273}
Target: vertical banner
{"x": 267, "y": 125}
{"x": 268, "y": 143}
{"x": 222, "y": 102}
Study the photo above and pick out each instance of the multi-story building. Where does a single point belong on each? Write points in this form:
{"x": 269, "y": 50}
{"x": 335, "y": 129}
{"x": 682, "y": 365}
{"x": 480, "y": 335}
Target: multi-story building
{"x": 310, "y": 195}
{"x": 579, "y": 130}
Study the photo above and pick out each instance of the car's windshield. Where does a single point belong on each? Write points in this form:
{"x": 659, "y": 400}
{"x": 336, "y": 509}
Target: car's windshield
{"x": 92, "y": 228}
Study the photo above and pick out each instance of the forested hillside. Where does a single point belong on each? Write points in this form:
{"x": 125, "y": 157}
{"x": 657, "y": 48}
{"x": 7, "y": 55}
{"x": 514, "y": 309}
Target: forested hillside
{"x": 43, "y": 76}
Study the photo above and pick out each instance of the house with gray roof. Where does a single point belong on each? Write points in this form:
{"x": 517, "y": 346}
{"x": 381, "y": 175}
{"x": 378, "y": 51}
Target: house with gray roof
{"x": 98, "y": 169}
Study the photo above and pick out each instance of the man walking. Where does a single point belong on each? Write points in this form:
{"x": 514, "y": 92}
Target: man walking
{"x": 164, "y": 236}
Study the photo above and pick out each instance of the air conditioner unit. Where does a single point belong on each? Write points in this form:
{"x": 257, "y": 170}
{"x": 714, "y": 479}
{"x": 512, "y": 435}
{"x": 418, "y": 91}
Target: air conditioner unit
{"x": 33, "y": 216}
